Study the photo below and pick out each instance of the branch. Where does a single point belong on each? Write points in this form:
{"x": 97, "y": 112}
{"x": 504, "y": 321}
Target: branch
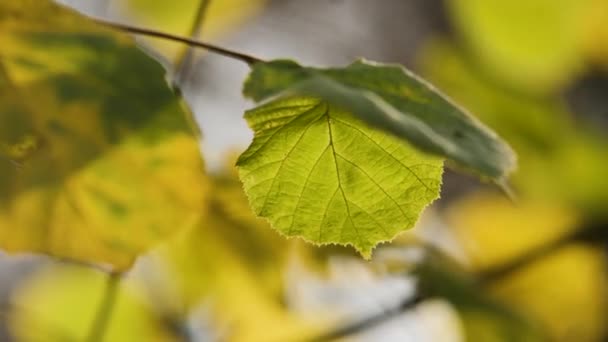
{"x": 591, "y": 233}
{"x": 370, "y": 322}
{"x": 104, "y": 313}
{"x": 250, "y": 60}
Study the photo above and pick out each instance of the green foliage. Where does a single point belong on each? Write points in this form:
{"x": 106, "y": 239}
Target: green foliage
{"x": 531, "y": 124}
{"x": 324, "y": 169}
{"x": 99, "y": 161}
{"x": 340, "y": 169}
{"x": 317, "y": 172}
{"x": 98, "y": 158}
{"x": 392, "y": 99}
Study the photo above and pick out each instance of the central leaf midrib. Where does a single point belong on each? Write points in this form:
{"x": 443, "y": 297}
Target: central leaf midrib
{"x": 331, "y": 143}
{"x": 326, "y": 115}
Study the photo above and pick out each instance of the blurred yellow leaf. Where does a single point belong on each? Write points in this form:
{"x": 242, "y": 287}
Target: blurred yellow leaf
{"x": 109, "y": 160}
{"x": 178, "y": 17}
{"x": 596, "y": 32}
{"x": 531, "y": 44}
{"x": 565, "y": 291}
{"x": 492, "y": 230}
{"x": 61, "y": 303}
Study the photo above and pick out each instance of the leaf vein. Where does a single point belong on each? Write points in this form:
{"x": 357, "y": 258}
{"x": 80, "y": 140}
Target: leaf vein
{"x": 384, "y": 150}
{"x": 308, "y": 126}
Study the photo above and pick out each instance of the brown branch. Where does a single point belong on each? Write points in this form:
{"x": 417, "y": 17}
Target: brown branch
{"x": 250, "y": 60}
{"x": 591, "y": 233}
{"x": 369, "y": 322}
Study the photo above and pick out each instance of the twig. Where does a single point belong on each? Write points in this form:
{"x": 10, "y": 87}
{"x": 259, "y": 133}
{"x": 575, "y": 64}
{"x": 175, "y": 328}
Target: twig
{"x": 506, "y": 190}
{"x": 104, "y": 313}
{"x": 250, "y": 60}
{"x": 594, "y": 234}
{"x": 370, "y": 322}
{"x": 183, "y": 63}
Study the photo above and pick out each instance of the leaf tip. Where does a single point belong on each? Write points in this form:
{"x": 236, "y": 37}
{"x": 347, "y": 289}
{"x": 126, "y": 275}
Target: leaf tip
{"x": 365, "y": 251}
{"x": 506, "y": 189}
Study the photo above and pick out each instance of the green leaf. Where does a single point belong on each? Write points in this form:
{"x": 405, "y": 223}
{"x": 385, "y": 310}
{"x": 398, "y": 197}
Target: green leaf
{"x": 98, "y": 157}
{"x": 317, "y": 172}
{"x": 576, "y": 160}
{"x": 392, "y": 99}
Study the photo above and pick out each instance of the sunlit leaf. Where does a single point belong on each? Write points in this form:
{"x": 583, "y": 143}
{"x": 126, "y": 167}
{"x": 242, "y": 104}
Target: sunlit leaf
{"x": 105, "y": 161}
{"x": 392, "y": 99}
{"x": 315, "y": 171}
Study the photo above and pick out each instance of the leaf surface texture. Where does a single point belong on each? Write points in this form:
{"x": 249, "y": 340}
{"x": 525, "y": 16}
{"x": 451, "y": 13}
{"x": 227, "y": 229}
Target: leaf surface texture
{"x": 317, "y": 172}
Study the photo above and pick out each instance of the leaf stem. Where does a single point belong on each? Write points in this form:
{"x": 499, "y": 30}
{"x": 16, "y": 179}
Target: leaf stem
{"x": 250, "y": 60}
{"x": 104, "y": 313}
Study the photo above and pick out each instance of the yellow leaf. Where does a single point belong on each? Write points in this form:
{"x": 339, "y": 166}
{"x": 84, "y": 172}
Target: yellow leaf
{"x": 493, "y": 230}
{"x": 564, "y": 292}
{"x": 596, "y": 32}
{"x": 106, "y": 162}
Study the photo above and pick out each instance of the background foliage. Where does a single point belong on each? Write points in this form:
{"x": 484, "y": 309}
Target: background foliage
{"x": 100, "y": 165}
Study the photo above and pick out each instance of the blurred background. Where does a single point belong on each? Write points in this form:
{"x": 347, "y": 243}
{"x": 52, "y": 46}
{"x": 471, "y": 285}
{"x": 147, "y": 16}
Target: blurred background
{"x": 476, "y": 267}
